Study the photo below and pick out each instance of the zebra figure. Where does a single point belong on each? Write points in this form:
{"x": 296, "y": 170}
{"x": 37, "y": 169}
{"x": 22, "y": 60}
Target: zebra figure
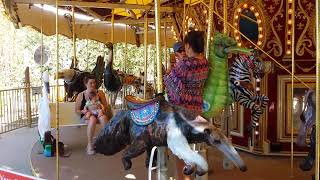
{"x": 241, "y": 72}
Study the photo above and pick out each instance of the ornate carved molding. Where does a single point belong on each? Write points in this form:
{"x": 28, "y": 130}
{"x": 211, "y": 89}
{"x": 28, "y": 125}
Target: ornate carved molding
{"x": 304, "y": 43}
{"x": 275, "y": 44}
{"x": 305, "y": 70}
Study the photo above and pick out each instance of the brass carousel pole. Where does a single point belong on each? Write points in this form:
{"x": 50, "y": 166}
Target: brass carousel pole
{"x": 57, "y": 94}
{"x": 145, "y": 55}
{"x": 113, "y": 97}
{"x": 292, "y": 83}
{"x": 210, "y": 24}
{"x": 225, "y": 16}
{"x": 165, "y": 45}
{"x": 41, "y": 29}
{"x": 184, "y": 19}
{"x": 158, "y": 46}
{"x": 162, "y": 169}
{"x": 317, "y": 89}
{"x": 224, "y": 122}
{"x": 112, "y": 26}
{"x": 74, "y": 38}
{"x": 124, "y": 89}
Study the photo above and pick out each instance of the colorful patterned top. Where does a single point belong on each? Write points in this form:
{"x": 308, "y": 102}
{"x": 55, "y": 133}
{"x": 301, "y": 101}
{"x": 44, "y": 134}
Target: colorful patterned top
{"x": 185, "y": 83}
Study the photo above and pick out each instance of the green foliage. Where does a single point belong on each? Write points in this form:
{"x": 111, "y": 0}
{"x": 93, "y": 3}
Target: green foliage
{"x": 17, "y": 49}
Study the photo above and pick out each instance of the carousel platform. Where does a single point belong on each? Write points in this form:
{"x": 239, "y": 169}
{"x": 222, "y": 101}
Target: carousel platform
{"x": 83, "y": 167}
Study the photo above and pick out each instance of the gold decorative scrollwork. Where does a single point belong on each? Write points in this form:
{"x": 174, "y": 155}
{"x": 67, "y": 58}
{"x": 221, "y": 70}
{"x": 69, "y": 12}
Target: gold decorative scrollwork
{"x": 218, "y": 8}
{"x": 305, "y": 70}
{"x": 275, "y": 43}
{"x": 312, "y": 29}
{"x": 304, "y": 43}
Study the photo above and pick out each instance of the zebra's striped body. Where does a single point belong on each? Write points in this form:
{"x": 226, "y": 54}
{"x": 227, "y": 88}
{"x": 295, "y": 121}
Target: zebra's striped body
{"x": 241, "y": 73}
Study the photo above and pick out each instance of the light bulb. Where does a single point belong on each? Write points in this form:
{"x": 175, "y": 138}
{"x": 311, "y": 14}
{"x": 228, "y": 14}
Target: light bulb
{"x": 258, "y": 80}
{"x": 257, "y": 89}
{"x": 245, "y": 5}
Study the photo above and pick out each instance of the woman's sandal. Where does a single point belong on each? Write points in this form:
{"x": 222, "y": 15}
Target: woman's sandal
{"x": 90, "y": 151}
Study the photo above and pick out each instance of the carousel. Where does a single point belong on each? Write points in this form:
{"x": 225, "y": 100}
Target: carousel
{"x": 259, "y": 102}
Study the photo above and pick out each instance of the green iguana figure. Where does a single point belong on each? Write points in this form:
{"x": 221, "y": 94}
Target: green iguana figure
{"x": 216, "y": 92}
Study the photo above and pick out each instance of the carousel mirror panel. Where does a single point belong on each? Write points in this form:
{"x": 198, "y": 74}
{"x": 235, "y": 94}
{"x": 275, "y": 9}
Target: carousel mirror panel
{"x": 285, "y": 104}
{"x": 248, "y": 20}
{"x": 237, "y": 120}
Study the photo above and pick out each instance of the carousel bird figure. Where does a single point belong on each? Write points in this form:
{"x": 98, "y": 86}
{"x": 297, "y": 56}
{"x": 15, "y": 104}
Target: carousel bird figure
{"x": 114, "y": 80}
{"x": 73, "y": 78}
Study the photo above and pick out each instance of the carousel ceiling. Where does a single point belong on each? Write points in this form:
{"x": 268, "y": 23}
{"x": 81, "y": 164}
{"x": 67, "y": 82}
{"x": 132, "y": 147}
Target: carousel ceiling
{"x": 93, "y": 18}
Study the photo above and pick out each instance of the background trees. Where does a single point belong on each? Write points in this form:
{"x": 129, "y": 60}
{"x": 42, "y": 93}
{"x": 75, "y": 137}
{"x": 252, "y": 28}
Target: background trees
{"x": 17, "y": 47}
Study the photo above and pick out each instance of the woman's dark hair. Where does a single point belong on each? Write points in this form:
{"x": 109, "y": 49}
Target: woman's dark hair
{"x": 196, "y": 40}
{"x": 88, "y": 77}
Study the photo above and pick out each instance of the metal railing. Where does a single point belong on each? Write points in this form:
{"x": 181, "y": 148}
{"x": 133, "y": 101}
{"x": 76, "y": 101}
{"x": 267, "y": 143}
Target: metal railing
{"x": 19, "y": 107}
{"x": 14, "y": 106}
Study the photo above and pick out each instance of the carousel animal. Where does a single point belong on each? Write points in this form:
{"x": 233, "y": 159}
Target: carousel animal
{"x": 139, "y": 88}
{"x": 158, "y": 123}
{"x": 308, "y": 119}
{"x": 73, "y": 78}
{"x": 114, "y": 80}
{"x": 225, "y": 86}
{"x": 241, "y": 88}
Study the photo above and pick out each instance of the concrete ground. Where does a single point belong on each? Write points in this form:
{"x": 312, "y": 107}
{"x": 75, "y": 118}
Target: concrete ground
{"x": 15, "y": 148}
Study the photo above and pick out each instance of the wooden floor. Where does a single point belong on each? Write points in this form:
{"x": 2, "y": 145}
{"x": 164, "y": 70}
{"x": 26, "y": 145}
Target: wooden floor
{"x": 83, "y": 167}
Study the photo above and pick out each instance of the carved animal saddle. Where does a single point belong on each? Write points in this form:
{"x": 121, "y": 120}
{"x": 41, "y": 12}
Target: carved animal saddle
{"x": 143, "y": 112}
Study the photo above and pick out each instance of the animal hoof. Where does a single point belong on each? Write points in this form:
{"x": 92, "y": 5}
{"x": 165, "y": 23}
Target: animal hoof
{"x": 188, "y": 170}
{"x": 200, "y": 172}
{"x": 126, "y": 164}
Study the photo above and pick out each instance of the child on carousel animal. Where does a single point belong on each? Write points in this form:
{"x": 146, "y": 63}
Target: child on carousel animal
{"x": 94, "y": 106}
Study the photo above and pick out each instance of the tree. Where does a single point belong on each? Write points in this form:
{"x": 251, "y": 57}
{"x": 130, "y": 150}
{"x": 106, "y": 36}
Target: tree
{"x": 18, "y": 46}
